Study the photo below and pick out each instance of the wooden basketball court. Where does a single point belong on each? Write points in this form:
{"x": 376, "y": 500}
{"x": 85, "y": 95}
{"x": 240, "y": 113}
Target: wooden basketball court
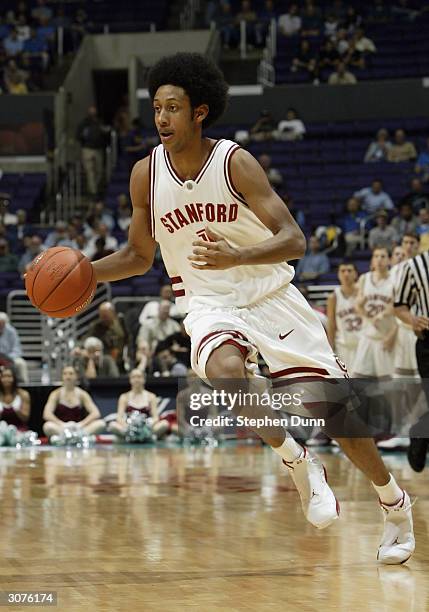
{"x": 172, "y": 529}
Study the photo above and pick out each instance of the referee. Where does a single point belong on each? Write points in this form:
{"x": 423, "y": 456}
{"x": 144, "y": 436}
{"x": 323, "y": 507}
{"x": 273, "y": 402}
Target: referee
{"x": 412, "y": 307}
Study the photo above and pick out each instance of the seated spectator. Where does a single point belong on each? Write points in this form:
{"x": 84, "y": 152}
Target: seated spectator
{"x": 22, "y": 227}
{"x": 226, "y": 25}
{"x": 158, "y": 329}
{"x": 166, "y": 363}
{"x": 100, "y": 249}
{"x": 41, "y": 11}
{"x": 248, "y": 15}
{"x": 306, "y": 60}
{"x": 46, "y": 31}
{"x": 373, "y": 198}
{"x": 331, "y": 239}
{"x": 36, "y": 48}
{"x": 291, "y": 128}
{"x": 264, "y": 127}
{"x": 273, "y": 175}
{"x": 383, "y": 234}
{"x": 15, "y": 403}
{"x": 402, "y": 150}
{"x": 265, "y": 16}
{"x": 313, "y": 264}
{"x": 330, "y": 26}
{"x": 378, "y": 149}
{"x": 13, "y": 76}
{"x": 342, "y": 76}
{"x": 405, "y": 222}
{"x": 290, "y": 23}
{"x": 143, "y": 358}
{"x": 328, "y": 56}
{"x": 311, "y": 21}
{"x": 101, "y": 231}
{"x": 16, "y": 85}
{"x": 6, "y": 217}
{"x": 33, "y": 248}
{"x": 353, "y": 57}
{"x": 138, "y": 399}
{"x": 362, "y": 43}
{"x": 423, "y": 229}
{"x": 70, "y": 407}
{"x": 58, "y": 237}
{"x": 180, "y": 345}
{"x": 110, "y": 329}
{"x": 91, "y": 362}
{"x": 342, "y": 44}
{"x": 12, "y": 45}
{"x": 100, "y": 214}
{"x": 352, "y": 20}
{"x": 10, "y": 347}
{"x": 351, "y": 224}
{"x": 22, "y": 28}
{"x": 417, "y": 196}
{"x": 8, "y": 261}
{"x": 151, "y": 309}
{"x": 124, "y": 212}
{"x": 422, "y": 163}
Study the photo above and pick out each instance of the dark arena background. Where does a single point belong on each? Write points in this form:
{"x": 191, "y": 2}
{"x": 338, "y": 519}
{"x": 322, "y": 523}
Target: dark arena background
{"x": 150, "y": 510}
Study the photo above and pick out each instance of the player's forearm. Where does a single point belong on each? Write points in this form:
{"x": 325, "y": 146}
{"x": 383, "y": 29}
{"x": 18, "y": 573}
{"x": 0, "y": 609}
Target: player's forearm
{"x": 124, "y": 263}
{"x": 404, "y": 314}
{"x": 284, "y": 246}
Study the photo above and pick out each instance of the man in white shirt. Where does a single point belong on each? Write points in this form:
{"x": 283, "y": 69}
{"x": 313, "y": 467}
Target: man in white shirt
{"x": 290, "y": 23}
{"x": 102, "y": 231}
{"x": 158, "y": 329}
{"x": 374, "y": 198}
{"x": 151, "y": 309}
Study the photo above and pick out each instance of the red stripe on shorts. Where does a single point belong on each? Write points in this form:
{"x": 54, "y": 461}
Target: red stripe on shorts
{"x": 299, "y": 370}
{"x": 233, "y": 332}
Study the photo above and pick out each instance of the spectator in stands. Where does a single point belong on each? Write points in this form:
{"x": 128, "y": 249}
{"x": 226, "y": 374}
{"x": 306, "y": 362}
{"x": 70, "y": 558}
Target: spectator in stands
{"x": 298, "y": 215}
{"x": 92, "y": 136}
{"x": 100, "y": 249}
{"x": 179, "y": 344}
{"x": 379, "y": 148}
{"x": 79, "y": 28}
{"x": 101, "y": 231}
{"x": 263, "y": 128}
{"x": 342, "y": 76}
{"x": 110, "y": 329}
{"x": 138, "y": 399}
{"x": 10, "y": 347}
{"x": 22, "y": 28}
{"x": 417, "y": 196}
{"x": 226, "y": 25}
{"x": 330, "y": 26}
{"x": 311, "y": 21}
{"x": 265, "y": 16}
{"x": 422, "y": 164}
{"x": 306, "y": 60}
{"x": 12, "y": 45}
{"x": 402, "y": 150}
{"x": 383, "y": 234}
{"x": 70, "y": 407}
{"x": 313, "y": 264}
{"x": 352, "y": 20}
{"x": 342, "y": 44}
{"x": 58, "y": 237}
{"x": 155, "y": 330}
{"x": 405, "y": 222}
{"x": 373, "y": 198}
{"x": 16, "y": 85}
{"x": 328, "y": 56}
{"x": 291, "y": 128}
{"x": 46, "y": 31}
{"x": 33, "y": 248}
{"x": 274, "y": 176}
{"x": 351, "y": 224}
{"x": 423, "y": 229}
{"x": 8, "y": 261}
{"x": 6, "y": 217}
{"x": 35, "y": 48}
{"x": 248, "y": 15}
{"x": 362, "y": 43}
{"x": 290, "y": 23}
{"x": 100, "y": 214}
{"x": 91, "y": 362}
{"x": 166, "y": 363}
{"x": 15, "y": 403}
{"x": 151, "y": 309}
{"x": 21, "y": 226}
{"x": 143, "y": 358}
{"x": 41, "y": 11}
{"x": 124, "y": 212}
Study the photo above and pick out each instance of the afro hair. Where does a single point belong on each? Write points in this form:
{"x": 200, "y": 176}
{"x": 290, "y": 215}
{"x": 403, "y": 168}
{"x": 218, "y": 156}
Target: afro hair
{"x": 200, "y": 78}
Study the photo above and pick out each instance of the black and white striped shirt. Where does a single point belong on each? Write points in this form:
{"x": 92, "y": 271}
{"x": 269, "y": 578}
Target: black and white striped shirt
{"x": 413, "y": 287}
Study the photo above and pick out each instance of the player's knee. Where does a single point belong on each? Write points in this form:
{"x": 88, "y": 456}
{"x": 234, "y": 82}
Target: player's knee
{"x": 225, "y": 362}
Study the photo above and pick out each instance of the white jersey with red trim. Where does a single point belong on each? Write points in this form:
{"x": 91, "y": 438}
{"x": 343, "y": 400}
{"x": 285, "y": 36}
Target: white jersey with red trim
{"x": 347, "y": 320}
{"x": 180, "y": 211}
{"x": 379, "y": 299}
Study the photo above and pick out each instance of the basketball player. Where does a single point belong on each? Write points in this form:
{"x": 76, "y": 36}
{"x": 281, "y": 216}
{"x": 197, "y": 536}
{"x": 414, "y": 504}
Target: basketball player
{"x": 374, "y": 354}
{"x": 225, "y": 237}
{"x": 344, "y": 322}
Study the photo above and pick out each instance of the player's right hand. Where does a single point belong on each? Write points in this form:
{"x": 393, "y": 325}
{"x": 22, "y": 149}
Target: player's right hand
{"x": 420, "y": 324}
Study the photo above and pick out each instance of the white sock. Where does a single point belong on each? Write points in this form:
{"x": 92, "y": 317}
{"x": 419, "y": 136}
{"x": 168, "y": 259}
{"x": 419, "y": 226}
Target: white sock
{"x": 389, "y": 493}
{"x": 289, "y": 450}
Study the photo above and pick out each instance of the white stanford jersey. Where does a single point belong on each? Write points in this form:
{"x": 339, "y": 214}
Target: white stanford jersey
{"x": 180, "y": 210}
{"x": 379, "y": 297}
{"x": 348, "y": 322}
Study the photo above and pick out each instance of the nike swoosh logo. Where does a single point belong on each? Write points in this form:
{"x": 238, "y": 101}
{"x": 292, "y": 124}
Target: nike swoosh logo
{"x": 283, "y": 336}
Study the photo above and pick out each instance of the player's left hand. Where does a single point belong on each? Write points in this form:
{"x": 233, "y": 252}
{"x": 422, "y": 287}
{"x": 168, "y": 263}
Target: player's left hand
{"x": 214, "y": 255}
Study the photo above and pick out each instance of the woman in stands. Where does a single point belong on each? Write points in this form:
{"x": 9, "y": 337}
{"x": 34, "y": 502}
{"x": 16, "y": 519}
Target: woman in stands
{"x": 138, "y": 399}
{"x": 14, "y": 402}
{"x": 71, "y": 407}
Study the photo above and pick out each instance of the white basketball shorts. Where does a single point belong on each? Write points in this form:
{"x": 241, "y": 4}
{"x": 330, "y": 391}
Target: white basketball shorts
{"x": 372, "y": 360}
{"x": 405, "y": 361}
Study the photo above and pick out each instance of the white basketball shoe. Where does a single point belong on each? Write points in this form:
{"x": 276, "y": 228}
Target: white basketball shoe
{"x": 318, "y": 502}
{"x": 398, "y": 543}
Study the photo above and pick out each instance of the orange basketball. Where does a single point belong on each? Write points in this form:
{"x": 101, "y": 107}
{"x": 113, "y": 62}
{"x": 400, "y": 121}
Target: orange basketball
{"x": 60, "y": 282}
